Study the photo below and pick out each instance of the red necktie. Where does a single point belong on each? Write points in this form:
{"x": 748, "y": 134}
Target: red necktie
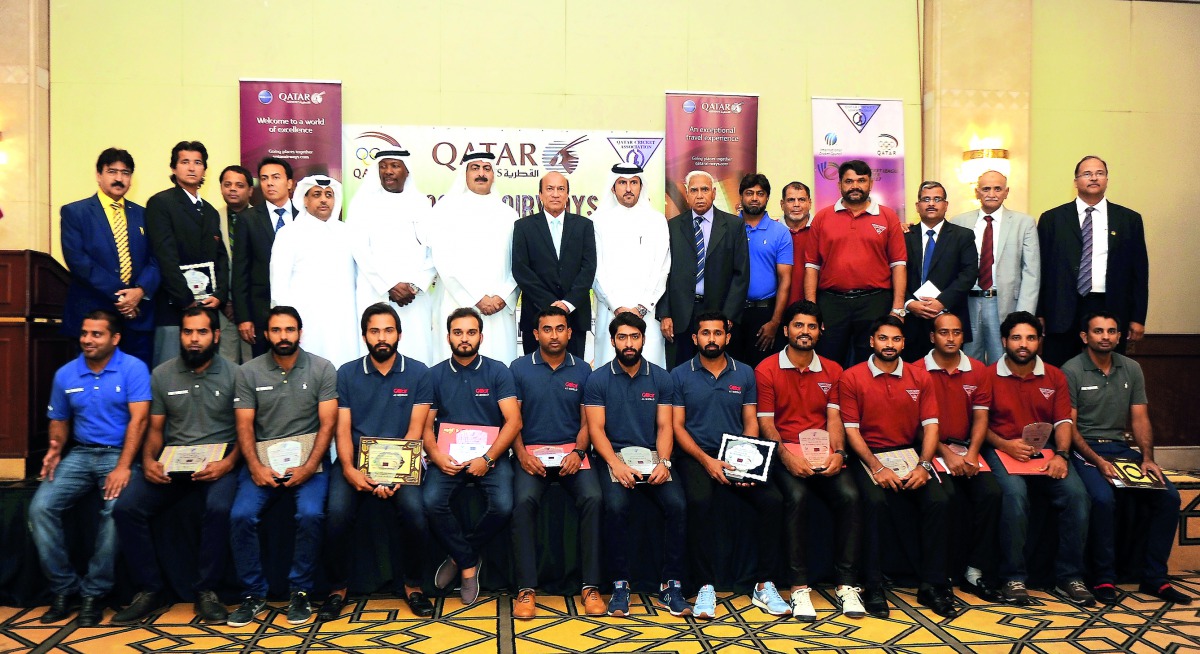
{"x": 986, "y": 257}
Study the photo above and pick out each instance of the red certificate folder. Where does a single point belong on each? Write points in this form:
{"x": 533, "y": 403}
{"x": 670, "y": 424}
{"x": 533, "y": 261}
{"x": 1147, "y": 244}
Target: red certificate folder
{"x": 1030, "y": 467}
{"x": 465, "y": 442}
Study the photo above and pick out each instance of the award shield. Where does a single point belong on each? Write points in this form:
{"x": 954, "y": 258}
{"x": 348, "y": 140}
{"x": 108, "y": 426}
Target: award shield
{"x": 814, "y": 447}
{"x": 750, "y": 457}
{"x": 199, "y": 278}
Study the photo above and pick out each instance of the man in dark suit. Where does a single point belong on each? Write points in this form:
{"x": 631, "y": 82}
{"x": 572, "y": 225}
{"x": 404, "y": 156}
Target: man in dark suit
{"x": 253, "y": 237}
{"x": 237, "y": 184}
{"x": 185, "y": 236}
{"x": 941, "y": 254}
{"x": 710, "y": 267}
{"x": 554, "y": 263}
{"x": 1102, "y": 267}
{"x": 105, "y": 247}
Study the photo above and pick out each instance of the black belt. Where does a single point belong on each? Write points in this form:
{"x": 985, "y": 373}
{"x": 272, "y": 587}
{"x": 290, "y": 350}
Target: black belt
{"x": 991, "y": 292}
{"x": 699, "y": 298}
{"x": 760, "y": 304}
{"x": 93, "y": 446}
{"x": 862, "y": 292}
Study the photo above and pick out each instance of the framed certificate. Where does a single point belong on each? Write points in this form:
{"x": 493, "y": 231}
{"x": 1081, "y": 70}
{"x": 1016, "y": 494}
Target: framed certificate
{"x": 390, "y": 461}
{"x": 749, "y": 456}
{"x": 465, "y": 442}
{"x": 199, "y": 278}
{"x": 552, "y": 456}
{"x": 186, "y": 459}
{"x": 1130, "y": 475}
{"x": 283, "y": 453}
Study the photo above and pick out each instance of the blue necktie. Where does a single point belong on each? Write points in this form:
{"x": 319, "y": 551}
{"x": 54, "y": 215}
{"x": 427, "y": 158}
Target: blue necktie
{"x": 1083, "y": 283}
{"x": 199, "y": 208}
{"x": 928, "y": 256}
{"x": 699, "y": 248}
{"x": 279, "y": 223}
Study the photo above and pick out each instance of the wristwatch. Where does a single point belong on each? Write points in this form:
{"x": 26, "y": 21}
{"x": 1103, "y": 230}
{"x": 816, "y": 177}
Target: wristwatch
{"x": 580, "y": 453}
{"x": 900, "y": 312}
{"x": 1063, "y": 453}
{"x": 491, "y": 463}
{"x": 842, "y": 452}
{"x": 928, "y": 466}
{"x": 642, "y": 311}
{"x": 666, "y": 462}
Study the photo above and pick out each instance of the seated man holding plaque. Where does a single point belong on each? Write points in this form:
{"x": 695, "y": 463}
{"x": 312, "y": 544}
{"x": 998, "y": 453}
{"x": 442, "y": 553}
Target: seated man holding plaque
{"x": 1108, "y": 388}
{"x": 797, "y": 407}
{"x": 716, "y": 426}
{"x": 553, "y": 445}
{"x": 629, "y": 405}
{"x": 889, "y": 408}
{"x": 189, "y": 449}
{"x": 1027, "y": 393}
{"x": 383, "y": 401}
{"x": 473, "y": 420}
{"x": 286, "y": 409}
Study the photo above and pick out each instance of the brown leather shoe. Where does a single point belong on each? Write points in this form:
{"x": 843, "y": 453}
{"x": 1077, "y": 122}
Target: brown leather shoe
{"x": 525, "y": 606}
{"x": 593, "y": 604}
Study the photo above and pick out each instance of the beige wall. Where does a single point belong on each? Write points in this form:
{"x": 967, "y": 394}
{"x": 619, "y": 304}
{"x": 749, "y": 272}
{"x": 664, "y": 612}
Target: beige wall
{"x": 24, "y": 115}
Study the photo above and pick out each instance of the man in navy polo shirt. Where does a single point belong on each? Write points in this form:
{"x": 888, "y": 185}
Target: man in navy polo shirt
{"x": 102, "y": 401}
{"x": 382, "y": 395}
{"x": 716, "y": 395}
{"x": 550, "y": 383}
{"x": 469, "y": 389}
{"x": 629, "y": 405}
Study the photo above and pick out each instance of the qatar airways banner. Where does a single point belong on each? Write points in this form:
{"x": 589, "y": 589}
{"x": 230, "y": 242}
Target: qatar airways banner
{"x": 854, "y": 128}
{"x": 716, "y": 133}
{"x": 295, "y": 120}
{"x": 523, "y": 155}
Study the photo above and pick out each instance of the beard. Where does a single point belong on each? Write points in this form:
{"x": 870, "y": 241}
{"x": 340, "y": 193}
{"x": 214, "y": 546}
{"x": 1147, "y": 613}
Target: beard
{"x": 284, "y": 348}
{"x": 629, "y": 356}
{"x": 196, "y": 358}
{"x": 754, "y": 211}
{"x": 854, "y": 195}
{"x": 381, "y": 352}
{"x": 465, "y": 350}
{"x": 1019, "y": 358}
{"x": 712, "y": 351}
{"x": 894, "y": 354}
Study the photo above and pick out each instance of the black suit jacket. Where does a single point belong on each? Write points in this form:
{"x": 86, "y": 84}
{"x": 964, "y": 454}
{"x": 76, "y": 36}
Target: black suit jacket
{"x": 545, "y": 277}
{"x": 726, "y": 270}
{"x": 1127, "y": 282}
{"x": 179, "y": 236}
{"x": 254, "y": 235}
{"x": 954, "y": 269}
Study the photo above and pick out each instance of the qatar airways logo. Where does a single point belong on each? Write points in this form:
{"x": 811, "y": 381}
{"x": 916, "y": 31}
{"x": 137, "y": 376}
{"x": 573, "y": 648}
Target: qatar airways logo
{"x": 722, "y": 107}
{"x": 302, "y": 98}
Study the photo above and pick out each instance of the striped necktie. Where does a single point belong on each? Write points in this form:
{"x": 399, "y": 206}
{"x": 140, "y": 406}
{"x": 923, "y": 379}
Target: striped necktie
{"x": 700, "y": 254}
{"x": 120, "y": 230}
{"x": 1083, "y": 283}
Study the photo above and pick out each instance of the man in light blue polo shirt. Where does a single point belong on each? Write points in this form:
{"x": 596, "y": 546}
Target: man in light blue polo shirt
{"x": 101, "y": 401}
{"x": 757, "y": 335}
{"x": 629, "y": 405}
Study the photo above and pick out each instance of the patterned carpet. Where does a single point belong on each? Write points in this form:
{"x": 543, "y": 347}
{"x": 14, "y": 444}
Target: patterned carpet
{"x": 1136, "y": 625}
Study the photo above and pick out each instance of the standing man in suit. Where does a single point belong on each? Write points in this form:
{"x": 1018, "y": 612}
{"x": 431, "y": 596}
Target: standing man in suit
{"x": 1095, "y": 259}
{"x": 253, "y": 238}
{"x": 1010, "y": 266}
{"x": 237, "y": 183}
{"x": 943, "y": 255}
{"x": 105, "y": 248}
{"x": 554, "y": 263}
{"x": 184, "y": 231}
{"x": 710, "y": 266}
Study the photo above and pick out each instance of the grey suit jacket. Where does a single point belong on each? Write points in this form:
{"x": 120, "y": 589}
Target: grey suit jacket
{"x": 1018, "y": 260}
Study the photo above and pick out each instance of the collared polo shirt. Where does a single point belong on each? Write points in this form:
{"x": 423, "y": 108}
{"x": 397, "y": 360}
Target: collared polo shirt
{"x": 630, "y": 403}
{"x": 1102, "y": 401}
{"x": 285, "y": 402}
{"x": 960, "y": 391}
{"x": 799, "y": 247}
{"x": 1043, "y": 396}
{"x": 381, "y": 405}
{"x": 550, "y": 398}
{"x": 97, "y": 404}
{"x": 797, "y": 398}
{"x": 198, "y": 406}
{"x": 471, "y": 394}
{"x": 770, "y": 244}
{"x": 887, "y": 408}
{"x": 855, "y": 252}
{"x": 713, "y": 404}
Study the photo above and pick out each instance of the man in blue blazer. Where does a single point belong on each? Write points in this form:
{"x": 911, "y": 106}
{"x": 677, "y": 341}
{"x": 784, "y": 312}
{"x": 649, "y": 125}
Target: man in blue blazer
{"x": 101, "y": 278}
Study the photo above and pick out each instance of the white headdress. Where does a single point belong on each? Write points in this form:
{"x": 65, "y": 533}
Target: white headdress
{"x": 308, "y": 183}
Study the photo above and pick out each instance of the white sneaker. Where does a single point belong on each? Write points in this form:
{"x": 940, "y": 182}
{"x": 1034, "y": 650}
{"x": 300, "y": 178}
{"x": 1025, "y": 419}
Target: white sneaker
{"x": 802, "y": 606}
{"x": 852, "y": 606}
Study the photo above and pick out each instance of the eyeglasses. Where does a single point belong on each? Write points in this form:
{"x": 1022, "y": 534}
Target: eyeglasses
{"x": 118, "y": 172}
{"x": 929, "y": 200}
{"x": 1099, "y": 174}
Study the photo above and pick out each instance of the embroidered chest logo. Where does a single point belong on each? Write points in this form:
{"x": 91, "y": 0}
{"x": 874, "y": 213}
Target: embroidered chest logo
{"x": 571, "y": 386}
{"x": 824, "y": 386}
{"x": 969, "y": 390}
{"x": 1047, "y": 392}
{"x": 734, "y": 388}
{"x": 399, "y": 392}
{"x": 879, "y": 229}
{"x": 482, "y": 392}
{"x": 649, "y": 397}
{"x": 914, "y": 393}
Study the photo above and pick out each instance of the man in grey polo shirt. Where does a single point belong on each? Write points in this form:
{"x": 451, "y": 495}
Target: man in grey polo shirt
{"x": 1107, "y": 389}
{"x": 284, "y": 393}
{"x": 192, "y": 405}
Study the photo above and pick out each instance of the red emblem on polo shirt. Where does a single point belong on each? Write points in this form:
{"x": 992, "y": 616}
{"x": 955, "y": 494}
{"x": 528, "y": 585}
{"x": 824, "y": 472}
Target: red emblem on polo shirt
{"x": 879, "y": 229}
{"x": 399, "y": 392}
{"x": 824, "y": 386}
{"x": 914, "y": 393}
{"x": 648, "y": 396}
{"x": 482, "y": 392}
{"x": 1047, "y": 392}
{"x": 571, "y": 386}
{"x": 734, "y": 388}
{"x": 970, "y": 390}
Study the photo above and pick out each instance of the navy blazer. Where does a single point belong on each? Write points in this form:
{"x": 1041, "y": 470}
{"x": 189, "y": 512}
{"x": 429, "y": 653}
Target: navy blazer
{"x": 545, "y": 277}
{"x": 90, "y": 252}
{"x": 954, "y": 269}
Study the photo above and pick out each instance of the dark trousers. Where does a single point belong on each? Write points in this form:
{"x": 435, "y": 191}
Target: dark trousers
{"x": 584, "y": 487}
{"x": 847, "y": 319}
{"x": 142, "y": 500}
{"x": 1060, "y": 348}
{"x": 619, "y": 538}
{"x": 744, "y": 344}
{"x": 1163, "y": 508}
{"x": 341, "y": 513}
{"x": 574, "y": 346}
{"x": 439, "y": 489}
{"x": 893, "y": 512}
{"x": 841, "y": 495}
{"x": 683, "y": 347}
{"x": 699, "y": 490}
{"x": 979, "y": 498}
{"x": 248, "y": 507}
{"x": 137, "y": 344}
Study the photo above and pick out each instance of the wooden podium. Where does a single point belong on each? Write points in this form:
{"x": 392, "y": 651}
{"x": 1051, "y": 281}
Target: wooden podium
{"x": 33, "y": 290}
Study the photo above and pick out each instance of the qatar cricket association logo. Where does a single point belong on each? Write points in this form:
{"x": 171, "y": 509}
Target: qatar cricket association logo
{"x": 561, "y": 156}
{"x": 858, "y": 114}
{"x": 635, "y": 150}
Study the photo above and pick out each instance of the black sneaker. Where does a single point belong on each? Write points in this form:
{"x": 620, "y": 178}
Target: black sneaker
{"x": 1165, "y": 592}
{"x": 251, "y": 608}
{"x": 331, "y": 608}
{"x": 210, "y": 609}
{"x": 1076, "y": 592}
{"x": 1105, "y": 593}
{"x": 145, "y": 604}
{"x": 299, "y": 608}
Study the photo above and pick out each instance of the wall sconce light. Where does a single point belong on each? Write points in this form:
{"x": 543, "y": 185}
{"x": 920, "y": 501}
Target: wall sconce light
{"x": 983, "y": 155}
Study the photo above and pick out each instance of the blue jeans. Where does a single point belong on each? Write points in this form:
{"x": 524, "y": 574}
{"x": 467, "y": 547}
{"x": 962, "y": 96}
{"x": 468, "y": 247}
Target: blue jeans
{"x": 985, "y": 330}
{"x": 80, "y": 472}
{"x": 341, "y": 514}
{"x": 619, "y": 539}
{"x": 249, "y": 505}
{"x": 439, "y": 489}
{"x": 1069, "y": 499}
{"x": 142, "y": 500}
{"x": 1163, "y": 507}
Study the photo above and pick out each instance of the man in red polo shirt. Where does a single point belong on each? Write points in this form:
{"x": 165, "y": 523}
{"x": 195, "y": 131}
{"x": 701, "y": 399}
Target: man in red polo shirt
{"x": 1026, "y": 390}
{"x": 797, "y": 391}
{"x": 884, "y": 404}
{"x": 797, "y": 207}
{"x": 855, "y": 265}
{"x": 964, "y": 394}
